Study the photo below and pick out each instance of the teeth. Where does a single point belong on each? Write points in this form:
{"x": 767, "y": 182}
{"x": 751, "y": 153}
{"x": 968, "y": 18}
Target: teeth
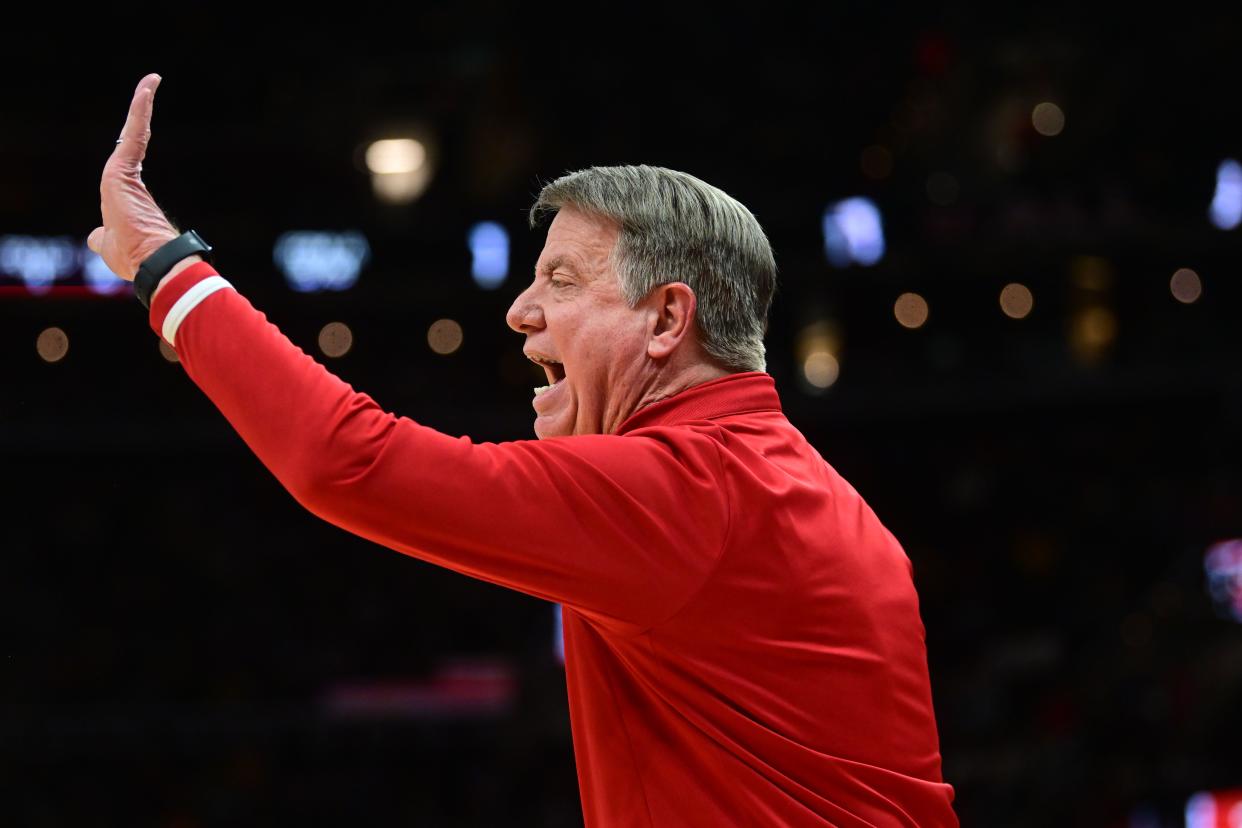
{"x": 542, "y": 388}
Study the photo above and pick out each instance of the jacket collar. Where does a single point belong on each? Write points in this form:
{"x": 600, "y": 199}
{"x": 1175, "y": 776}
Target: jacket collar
{"x": 721, "y": 397}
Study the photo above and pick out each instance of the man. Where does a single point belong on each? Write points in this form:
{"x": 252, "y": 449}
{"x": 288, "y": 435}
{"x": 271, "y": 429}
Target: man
{"x": 743, "y": 643}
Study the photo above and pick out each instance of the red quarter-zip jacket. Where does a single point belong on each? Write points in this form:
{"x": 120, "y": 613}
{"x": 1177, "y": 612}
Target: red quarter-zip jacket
{"x": 742, "y": 634}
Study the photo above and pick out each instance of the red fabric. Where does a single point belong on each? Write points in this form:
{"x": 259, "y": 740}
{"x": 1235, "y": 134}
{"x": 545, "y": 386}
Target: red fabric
{"x": 743, "y": 642}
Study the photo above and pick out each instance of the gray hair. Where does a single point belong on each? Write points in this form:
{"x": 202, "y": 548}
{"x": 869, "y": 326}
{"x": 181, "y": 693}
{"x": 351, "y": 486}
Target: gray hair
{"x": 676, "y": 228}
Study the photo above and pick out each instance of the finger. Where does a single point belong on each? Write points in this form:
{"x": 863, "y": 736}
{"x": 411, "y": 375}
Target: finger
{"x": 95, "y": 240}
{"x": 137, "y": 130}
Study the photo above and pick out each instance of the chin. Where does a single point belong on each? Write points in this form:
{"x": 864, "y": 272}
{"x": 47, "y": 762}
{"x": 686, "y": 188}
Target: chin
{"x": 560, "y": 423}
{"x": 544, "y": 430}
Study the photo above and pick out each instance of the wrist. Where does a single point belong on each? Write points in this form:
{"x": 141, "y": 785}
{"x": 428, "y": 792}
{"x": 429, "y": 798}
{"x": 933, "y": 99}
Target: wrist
{"x": 177, "y": 268}
{"x": 164, "y": 261}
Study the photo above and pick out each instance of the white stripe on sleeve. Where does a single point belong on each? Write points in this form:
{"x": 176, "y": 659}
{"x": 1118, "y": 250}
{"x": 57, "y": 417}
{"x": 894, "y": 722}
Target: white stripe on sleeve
{"x": 188, "y": 302}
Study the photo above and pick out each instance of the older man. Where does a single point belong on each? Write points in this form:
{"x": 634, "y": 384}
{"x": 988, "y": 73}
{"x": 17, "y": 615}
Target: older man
{"x": 743, "y": 642}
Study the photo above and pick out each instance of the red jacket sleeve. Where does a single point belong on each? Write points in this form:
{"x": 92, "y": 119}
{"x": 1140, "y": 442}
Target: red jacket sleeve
{"x": 623, "y": 528}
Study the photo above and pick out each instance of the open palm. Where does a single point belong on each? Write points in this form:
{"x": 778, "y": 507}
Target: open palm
{"x": 134, "y": 227}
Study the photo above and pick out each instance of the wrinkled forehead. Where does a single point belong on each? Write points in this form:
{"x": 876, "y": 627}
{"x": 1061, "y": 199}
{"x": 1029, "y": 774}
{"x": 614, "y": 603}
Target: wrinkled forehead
{"x": 579, "y": 243}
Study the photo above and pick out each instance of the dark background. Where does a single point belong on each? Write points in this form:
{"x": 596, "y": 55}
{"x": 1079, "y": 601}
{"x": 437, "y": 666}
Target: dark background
{"x": 175, "y": 629}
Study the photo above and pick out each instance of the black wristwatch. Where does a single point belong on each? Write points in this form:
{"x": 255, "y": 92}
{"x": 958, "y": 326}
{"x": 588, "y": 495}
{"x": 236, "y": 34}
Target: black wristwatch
{"x": 158, "y": 264}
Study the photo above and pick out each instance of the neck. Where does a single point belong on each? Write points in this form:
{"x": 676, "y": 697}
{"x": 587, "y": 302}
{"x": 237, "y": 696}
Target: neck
{"x": 669, "y": 385}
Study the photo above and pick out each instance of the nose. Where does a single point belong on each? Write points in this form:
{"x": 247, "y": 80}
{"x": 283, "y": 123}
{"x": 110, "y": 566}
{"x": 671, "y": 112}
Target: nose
{"x": 525, "y": 314}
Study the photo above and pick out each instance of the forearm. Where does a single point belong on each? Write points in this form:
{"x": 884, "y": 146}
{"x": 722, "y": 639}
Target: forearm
{"x": 288, "y": 409}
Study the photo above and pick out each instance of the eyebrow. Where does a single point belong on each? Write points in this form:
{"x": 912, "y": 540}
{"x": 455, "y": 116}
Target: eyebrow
{"x": 556, "y": 263}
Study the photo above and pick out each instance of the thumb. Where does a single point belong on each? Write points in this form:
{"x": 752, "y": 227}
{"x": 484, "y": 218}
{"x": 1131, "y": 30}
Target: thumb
{"x": 95, "y": 240}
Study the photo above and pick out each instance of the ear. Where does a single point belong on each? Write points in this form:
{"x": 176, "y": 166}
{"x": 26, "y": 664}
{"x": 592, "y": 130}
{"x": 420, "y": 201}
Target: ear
{"x": 673, "y": 308}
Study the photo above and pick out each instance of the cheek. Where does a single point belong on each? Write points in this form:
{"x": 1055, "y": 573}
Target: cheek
{"x": 608, "y": 340}
{"x": 605, "y": 360}
{"x": 619, "y": 342}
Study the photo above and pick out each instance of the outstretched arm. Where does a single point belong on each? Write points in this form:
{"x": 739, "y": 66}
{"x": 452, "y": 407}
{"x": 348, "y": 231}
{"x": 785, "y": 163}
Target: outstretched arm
{"x": 623, "y": 528}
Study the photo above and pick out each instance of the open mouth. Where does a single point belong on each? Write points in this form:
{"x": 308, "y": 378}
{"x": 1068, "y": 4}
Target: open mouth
{"x": 553, "y": 368}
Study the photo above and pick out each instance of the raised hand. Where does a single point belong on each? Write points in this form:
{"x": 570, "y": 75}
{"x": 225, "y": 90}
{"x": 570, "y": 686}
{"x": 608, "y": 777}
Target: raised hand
{"x": 134, "y": 227}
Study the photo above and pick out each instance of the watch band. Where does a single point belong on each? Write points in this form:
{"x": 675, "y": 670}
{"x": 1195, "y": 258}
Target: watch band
{"x": 158, "y": 264}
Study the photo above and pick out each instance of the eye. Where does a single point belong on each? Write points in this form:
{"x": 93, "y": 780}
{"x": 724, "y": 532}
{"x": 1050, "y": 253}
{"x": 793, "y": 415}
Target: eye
{"x": 557, "y": 283}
